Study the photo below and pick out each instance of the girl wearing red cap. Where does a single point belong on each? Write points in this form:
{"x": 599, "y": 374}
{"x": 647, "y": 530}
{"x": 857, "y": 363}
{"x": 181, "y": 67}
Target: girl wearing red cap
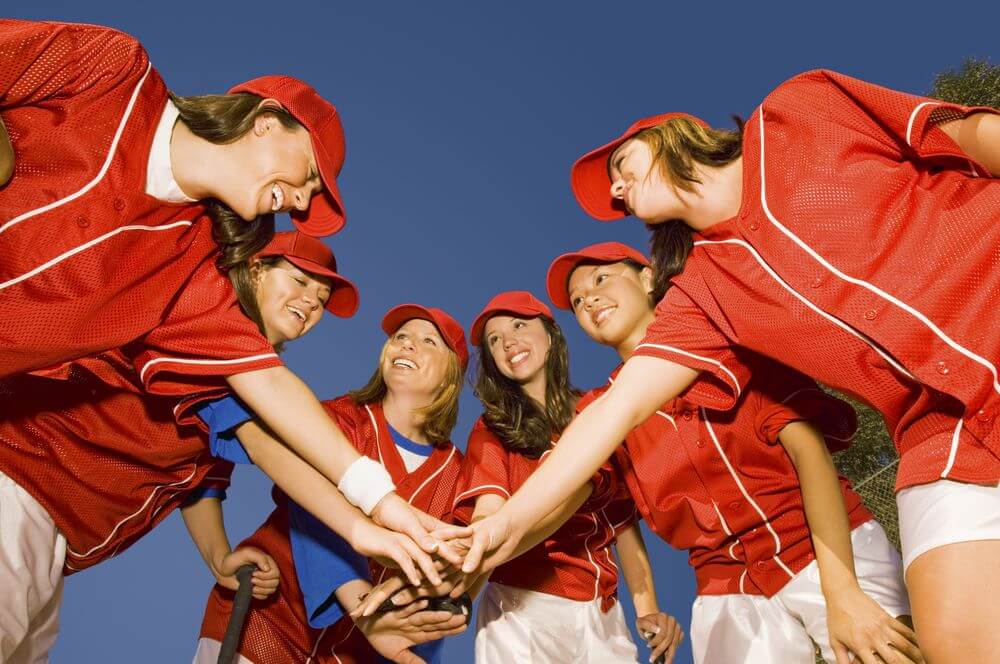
{"x": 850, "y": 232}
{"x": 401, "y": 419}
{"x": 91, "y": 462}
{"x": 751, "y": 493}
{"x": 125, "y": 201}
{"x": 557, "y": 601}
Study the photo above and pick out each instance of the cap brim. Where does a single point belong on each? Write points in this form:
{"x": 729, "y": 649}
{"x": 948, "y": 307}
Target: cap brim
{"x": 478, "y": 325}
{"x": 399, "y": 315}
{"x": 344, "y": 296}
{"x": 592, "y": 186}
{"x": 325, "y": 215}
{"x": 558, "y": 276}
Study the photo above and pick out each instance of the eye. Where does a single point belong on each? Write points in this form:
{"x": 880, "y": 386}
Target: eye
{"x": 492, "y": 339}
{"x": 600, "y": 278}
{"x": 400, "y": 336}
{"x": 575, "y": 302}
{"x": 430, "y": 340}
{"x": 519, "y": 324}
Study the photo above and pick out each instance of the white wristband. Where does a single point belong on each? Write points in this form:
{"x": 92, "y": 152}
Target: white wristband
{"x": 365, "y": 483}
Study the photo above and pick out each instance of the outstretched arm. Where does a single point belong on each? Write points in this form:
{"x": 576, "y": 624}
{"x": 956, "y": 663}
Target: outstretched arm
{"x": 642, "y": 386}
{"x": 857, "y": 624}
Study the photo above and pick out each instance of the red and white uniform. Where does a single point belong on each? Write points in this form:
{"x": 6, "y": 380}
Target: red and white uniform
{"x": 82, "y": 104}
{"x": 278, "y": 631}
{"x": 88, "y": 465}
{"x": 720, "y": 485}
{"x": 831, "y": 164}
{"x": 574, "y": 563}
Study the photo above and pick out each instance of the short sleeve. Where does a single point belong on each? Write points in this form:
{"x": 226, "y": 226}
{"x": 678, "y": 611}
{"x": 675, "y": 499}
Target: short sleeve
{"x": 903, "y": 122}
{"x": 204, "y": 338}
{"x": 41, "y": 61}
{"x": 784, "y": 395}
{"x": 484, "y": 470}
{"x": 221, "y": 417}
{"x": 682, "y": 333}
{"x": 214, "y": 485}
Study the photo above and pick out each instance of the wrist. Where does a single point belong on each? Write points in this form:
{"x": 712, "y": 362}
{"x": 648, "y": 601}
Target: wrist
{"x": 365, "y": 484}
{"x": 216, "y": 560}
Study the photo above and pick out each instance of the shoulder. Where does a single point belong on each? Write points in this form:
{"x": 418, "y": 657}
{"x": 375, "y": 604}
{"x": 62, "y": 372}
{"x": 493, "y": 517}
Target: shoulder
{"x": 481, "y": 436}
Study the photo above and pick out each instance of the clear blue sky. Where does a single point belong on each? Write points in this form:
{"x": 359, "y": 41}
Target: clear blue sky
{"x": 462, "y": 120}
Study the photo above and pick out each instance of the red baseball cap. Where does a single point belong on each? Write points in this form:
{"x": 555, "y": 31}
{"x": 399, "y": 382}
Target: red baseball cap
{"x": 325, "y": 215}
{"x": 518, "y": 303}
{"x": 589, "y": 176}
{"x": 447, "y": 326}
{"x": 313, "y": 256}
{"x": 557, "y": 278}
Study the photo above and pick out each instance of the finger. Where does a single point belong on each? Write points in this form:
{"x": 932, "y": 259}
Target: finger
{"x": 909, "y": 649}
{"x": 268, "y": 584}
{"x": 401, "y": 556}
{"x": 658, "y": 651}
{"x": 840, "y": 653}
{"x": 407, "y": 657}
{"x": 475, "y": 555}
{"x": 903, "y": 629}
{"x": 373, "y": 599}
{"x": 890, "y": 655}
{"x": 440, "y": 634}
{"x": 425, "y": 562}
{"x": 450, "y": 554}
{"x": 425, "y": 618}
{"x": 407, "y": 612}
{"x": 669, "y": 654}
{"x": 459, "y": 588}
{"x": 447, "y": 532}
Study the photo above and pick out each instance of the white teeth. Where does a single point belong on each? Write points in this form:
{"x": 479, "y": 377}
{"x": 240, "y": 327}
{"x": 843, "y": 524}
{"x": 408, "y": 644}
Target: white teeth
{"x": 298, "y": 313}
{"x": 520, "y": 357}
{"x": 403, "y": 362}
{"x": 603, "y": 314}
{"x": 277, "y": 198}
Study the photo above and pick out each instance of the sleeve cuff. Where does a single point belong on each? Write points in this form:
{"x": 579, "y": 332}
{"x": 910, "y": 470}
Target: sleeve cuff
{"x": 719, "y": 386}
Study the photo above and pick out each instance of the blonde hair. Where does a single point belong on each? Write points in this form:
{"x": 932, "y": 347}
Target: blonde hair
{"x": 440, "y": 415}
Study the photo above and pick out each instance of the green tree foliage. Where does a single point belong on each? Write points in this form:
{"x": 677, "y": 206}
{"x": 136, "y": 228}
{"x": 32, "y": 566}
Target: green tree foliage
{"x": 975, "y": 83}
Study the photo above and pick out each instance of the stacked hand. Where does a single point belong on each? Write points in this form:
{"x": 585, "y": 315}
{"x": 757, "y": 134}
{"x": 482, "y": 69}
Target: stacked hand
{"x": 393, "y": 633}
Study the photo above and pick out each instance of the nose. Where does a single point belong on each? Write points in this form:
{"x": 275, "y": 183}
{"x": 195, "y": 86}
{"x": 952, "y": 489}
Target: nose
{"x": 591, "y": 301}
{"x": 508, "y": 342}
{"x": 618, "y": 188}
{"x": 300, "y": 198}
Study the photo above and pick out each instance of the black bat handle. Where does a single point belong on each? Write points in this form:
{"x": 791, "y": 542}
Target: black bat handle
{"x": 241, "y": 605}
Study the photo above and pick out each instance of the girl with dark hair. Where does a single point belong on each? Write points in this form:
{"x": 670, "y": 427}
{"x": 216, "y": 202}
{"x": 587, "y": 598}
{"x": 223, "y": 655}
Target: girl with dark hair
{"x": 557, "y": 601}
{"x": 784, "y": 552}
{"x": 853, "y": 236}
{"x": 124, "y": 204}
{"x": 401, "y": 419}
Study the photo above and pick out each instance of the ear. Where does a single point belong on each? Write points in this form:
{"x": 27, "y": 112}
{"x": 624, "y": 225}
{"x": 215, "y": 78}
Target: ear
{"x": 265, "y": 122}
{"x": 646, "y": 279}
{"x": 256, "y": 271}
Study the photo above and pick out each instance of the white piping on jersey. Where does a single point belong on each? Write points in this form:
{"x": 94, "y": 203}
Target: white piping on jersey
{"x": 319, "y": 638}
{"x": 378, "y": 446}
{"x": 118, "y": 525}
{"x": 860, "y": 282}
{"x": 953, "y": 452}
{"x": 87, "y": 245}
{"x": 100, "y": 174}
{"x": 725, "y": 529}
{"x": 913, "y": 116}
{"x": 746, "y": 495}
{"x": 183, "y": 360}
{"x": 707, "y": 360}
{"x": 833, "y": 319}
{"x": 607, "y": 549}
{"x": 434, "y": 474}
{"x": 659, "y": 412}
{"x": 586, "y": 548}
{"x": 743, "y": 575}
{"x": 474, "y": 489}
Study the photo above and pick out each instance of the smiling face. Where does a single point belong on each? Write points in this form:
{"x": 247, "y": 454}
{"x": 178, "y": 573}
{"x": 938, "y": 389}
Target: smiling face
{"x": 519, "y": 347}
{"x": 290, "y": 299}
{"x": 641, "y": 186}
{"x": 610, "y": 301}
{"x": 415, "y": 359}
{"x": 273, "y": 169}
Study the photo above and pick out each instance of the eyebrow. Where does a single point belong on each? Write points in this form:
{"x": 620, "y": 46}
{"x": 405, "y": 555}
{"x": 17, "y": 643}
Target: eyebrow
{"x": 615, "y": 160}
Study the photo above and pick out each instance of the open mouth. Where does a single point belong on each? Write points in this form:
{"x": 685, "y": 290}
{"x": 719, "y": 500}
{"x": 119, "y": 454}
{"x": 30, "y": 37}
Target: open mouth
{"x": 519, "y": 358}
{"x": 404, "y": 363}
{"x": 277, "y": 197}
{"x": 298, "y": 313}
{"x": 603, "y": 314}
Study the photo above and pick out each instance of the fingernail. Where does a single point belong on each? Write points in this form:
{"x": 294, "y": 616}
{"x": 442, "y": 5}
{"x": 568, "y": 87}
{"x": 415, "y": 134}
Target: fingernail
{"x": 398, "y": 601}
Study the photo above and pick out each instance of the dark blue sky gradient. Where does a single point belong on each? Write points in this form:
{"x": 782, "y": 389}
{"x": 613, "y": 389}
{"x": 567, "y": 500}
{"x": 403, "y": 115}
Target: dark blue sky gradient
{"x": 462, "y": 120}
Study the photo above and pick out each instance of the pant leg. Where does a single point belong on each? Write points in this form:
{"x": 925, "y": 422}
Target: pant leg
{"x": 747, "y": 629}
{"x": 32, "y": 552}
{"x": 208, "y": 653}
{"x": 607, "y": 638}
{"x": 502, "y": 635}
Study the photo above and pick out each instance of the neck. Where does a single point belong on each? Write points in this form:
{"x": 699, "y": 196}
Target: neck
{"x": 195, "y": 162}
{"x": 627, "y": 346}
{"x": 402, "y": 412}
{"x": 535, "y": 388}
{"x": 718, "y": 197}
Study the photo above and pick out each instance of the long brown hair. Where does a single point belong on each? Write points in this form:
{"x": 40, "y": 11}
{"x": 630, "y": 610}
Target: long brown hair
{"x": 520, "y": 422}
{"x": 222, "y": 119}
{"x": 244, "y": 278}
{"x": 439, "y": 416}
{"x": 677, "y": 146}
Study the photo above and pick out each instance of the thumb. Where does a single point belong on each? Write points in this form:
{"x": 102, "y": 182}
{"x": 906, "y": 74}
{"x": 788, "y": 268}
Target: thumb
{"x": 249, "y": 554}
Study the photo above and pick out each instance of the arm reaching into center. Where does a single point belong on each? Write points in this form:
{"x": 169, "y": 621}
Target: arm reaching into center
{"x": 642, "y": 386}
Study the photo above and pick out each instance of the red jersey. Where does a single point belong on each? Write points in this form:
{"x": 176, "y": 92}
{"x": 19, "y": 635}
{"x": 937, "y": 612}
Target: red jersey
{"x": 106, "y": 462}
{"x": 576, "y": 561}
{"x": 90, "y": 261}
{"x": 277, "y": 630}
{"x": 869, "y": 241}
{"x": 720, "y": 485}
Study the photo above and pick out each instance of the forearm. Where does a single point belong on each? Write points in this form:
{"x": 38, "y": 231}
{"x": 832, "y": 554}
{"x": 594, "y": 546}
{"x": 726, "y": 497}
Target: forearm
{"x": 979, "y": 137}
{"x": 823, "y": 501}
{"x": 300, "y": 481}
{"x": 290, "y": 409}
{"x": 637, "y": 571}
{"x": 6, "y": 155}
{"x": 349, "y": 594}
{"x": 554, "y": 520}
{"x": 207, "y": 530}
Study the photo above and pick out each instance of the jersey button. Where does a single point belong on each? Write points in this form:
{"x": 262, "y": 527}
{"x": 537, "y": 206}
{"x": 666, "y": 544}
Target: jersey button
{"x": 736, "y": 504}
{"x": 753, "y": 225}
{"x": 687, "y": 415}
{"x": 701, "y": 443}
{"x": 982, "y": 416}
{"x": 817, "y": 282}
{"x": 942, "y": 368}
{"x": 871, "y": 314}
{"x": 761, "y": 565}
{"x": 82, "y": 221}
{"x": 119, "y": 204}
